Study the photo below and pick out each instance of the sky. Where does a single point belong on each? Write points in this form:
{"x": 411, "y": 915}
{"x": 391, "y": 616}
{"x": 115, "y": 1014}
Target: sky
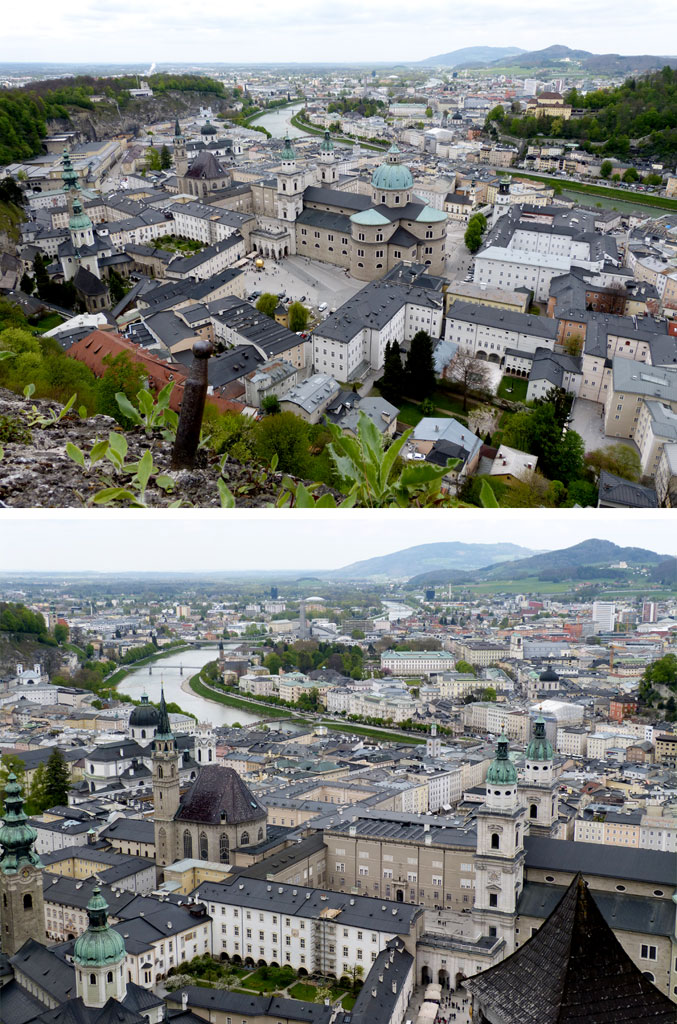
{"x": 174, "y": 540}
{"x": 315, "y": 30}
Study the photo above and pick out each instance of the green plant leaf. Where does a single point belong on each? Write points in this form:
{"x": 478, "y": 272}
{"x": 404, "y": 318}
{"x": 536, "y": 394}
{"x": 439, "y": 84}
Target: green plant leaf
{"x": 111, "y": 494}
{"x": 226, "y": 496}
{"x": 167, "y": 483}
{"x": 487, "y": 496}
{"x": 6, "y": 355}
{"x": 144, "y": 470}
{"x": 29, "y": 390}
{"x": 82, "y": 412}
{"x": 98, "y": 451}
{"x": 76, "y": 454}
{"x": 67, "y": 407}
{"x": 127, "y": 409}
{"x": 117, "y": 443}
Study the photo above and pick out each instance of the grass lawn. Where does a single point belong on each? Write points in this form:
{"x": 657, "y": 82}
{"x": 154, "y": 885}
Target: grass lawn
{"x": 410, "y": 413}
{"x": 47, "y": 322}
{"x": 301, "y": 990}
{"x": 518, "y": 386}
{"x": 269, "y": 979}
{"x": 348, "y": 1001}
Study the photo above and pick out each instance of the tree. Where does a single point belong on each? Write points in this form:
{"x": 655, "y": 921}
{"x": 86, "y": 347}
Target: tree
{"x": 273, "y": 662}
{"x": 27, "y": 283}
{"x": 298, "y": 317}
{"x": 489, "y": 693}
{"x": 357, "y": 634}
{"x": 606, "y": 169}
{"x": 465, "y": 667}
{"x": 165, "y": 159}
{"x": 469, "y": 374}
{"x": 36, "y": 801}
{"x": 630, "y": 176}
{"x": 662, "y": 672}
{"x": 473, "y": 236}
{"x": 573, "y": 346}
{"x": 271, "y": 405}
{"x": 267, "y": 304}
{"x": 428, "y": 112}
{"x": 153, "y": 159}
{"x": 286, "y": 436}
{"x": 89, "y": 652}
{"x": 392, "y": 383}
{"x": 420, "y": 368}
{"x": 121, "y": 375}
{"x": 61, "y": 633}
{"x": 619, "y": 459}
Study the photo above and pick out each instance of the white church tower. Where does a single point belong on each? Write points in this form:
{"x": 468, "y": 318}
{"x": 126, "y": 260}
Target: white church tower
{"x": 539, "y": 786}
{"x": 328, "y": 169}
{"x": 499, "y": 860}
{"x": 290, "y": 185}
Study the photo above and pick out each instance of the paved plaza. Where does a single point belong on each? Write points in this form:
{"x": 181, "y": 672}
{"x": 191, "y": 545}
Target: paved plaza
{"x": 313, "y": 283}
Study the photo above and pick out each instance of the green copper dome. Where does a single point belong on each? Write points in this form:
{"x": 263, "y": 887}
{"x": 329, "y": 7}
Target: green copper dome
{"x": 540, "y": 747}
{"x": 502, "y": 771}
{"x": 79, "y": 221}
{"x": 326, "y": 146}
{"x": 16, "y": 835}
{"x": 392, "y": 175}
{"x": 288, "y": 151}
{"x": 100, "y": 945}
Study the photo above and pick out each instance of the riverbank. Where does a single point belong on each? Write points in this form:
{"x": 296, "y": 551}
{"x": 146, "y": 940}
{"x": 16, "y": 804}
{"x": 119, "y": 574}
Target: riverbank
{"x": 120, "y": 673}
{"x": 349, "y": 140}
{"x": 614, "y": 194}
{"x": 197, "y": 686}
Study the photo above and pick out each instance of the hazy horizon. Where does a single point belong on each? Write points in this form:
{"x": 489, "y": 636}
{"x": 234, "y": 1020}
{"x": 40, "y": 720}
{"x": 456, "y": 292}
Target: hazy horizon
{"x": 131, "y": 31}
{"x": 226, "y": 542}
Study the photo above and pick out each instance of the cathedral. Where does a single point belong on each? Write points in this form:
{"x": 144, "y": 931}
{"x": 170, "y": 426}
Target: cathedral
{"x": 367, "y": 235}
{"x": 217, "y": 814}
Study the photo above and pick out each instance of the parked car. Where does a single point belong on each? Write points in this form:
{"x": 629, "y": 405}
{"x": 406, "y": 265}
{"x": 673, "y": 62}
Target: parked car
{"x": 321, "y": 308}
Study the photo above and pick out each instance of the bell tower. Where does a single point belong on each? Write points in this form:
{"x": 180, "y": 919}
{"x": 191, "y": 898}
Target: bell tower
{"x": 180, "y": 157}
{"x": 328, "y": 171}
{"x": 166, "y": 788}
{"x": 99, "y": 957}
{"x": 290, "y": 185}
{"x": 539, "y": 787}
{"x": 499, "y": 860}
{"x": 21, "y": 905}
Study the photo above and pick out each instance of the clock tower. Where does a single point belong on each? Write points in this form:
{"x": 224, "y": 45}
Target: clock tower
{"x": 21, "y": 905}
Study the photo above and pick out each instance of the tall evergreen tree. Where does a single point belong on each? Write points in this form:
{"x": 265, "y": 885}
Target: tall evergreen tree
{"x": 57, "y": 779}
{"x": 392, "y": 381}
{"x": 420, "y": 368}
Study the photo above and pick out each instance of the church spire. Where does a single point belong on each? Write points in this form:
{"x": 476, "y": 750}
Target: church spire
{"x": 164, "y": 728}
{"x": 99, "y": 955}
{"x": 16, "y": 835}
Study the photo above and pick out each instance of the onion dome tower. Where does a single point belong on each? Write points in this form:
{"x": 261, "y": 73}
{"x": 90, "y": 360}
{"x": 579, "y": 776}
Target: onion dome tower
{"x": 22, "y": 910}
{"x": 539, "y": 788}
{"x": 99, "y": 957}
{"x": 328, "y": 171}
{"x": 290, "y": 185}
{"x": 71, "y": 183}
{"x": 499, "y": 860}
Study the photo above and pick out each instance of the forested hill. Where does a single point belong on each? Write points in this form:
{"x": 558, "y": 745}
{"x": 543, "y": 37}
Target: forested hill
{"x": 24, "y": 112}
{"x": 638, "y": 117}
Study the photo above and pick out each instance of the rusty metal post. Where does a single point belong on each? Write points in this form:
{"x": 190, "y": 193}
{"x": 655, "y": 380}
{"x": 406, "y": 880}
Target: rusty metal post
{"x": 192, "y": 408}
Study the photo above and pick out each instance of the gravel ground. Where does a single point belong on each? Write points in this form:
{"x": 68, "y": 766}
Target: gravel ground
{"x": 40, "y": 473}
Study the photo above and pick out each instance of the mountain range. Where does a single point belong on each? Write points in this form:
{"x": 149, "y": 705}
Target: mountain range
{"x": 449, "y": 556}
{"x": 585, "y": 561}
{"x": 555, "y": 58}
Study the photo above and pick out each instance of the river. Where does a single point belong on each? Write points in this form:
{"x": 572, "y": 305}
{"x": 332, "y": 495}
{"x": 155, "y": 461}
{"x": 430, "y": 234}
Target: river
{"x": 278, "y": 122}
{"x": 396, "y": 610}
{"x": 147, "y": 679}
{"x": 623, "y": 206}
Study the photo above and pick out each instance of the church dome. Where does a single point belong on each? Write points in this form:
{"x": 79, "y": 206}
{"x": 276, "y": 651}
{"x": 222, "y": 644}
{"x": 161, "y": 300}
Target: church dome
{"x": 392, "y": 175}
{"x": 79, "y": 221}
{"x": 208, "y": 129}
{"x": 539, "y": 747}
{"x": 502, "y": 771}
{"x": 548, "y": 676}
{"x": 100, "y": 944}
{"x": 326, "y": 146}
{"x": 144, "y": 715}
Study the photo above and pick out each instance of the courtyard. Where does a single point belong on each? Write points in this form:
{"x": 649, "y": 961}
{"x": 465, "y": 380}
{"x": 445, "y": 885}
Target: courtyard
{"x": 303, "y": 280}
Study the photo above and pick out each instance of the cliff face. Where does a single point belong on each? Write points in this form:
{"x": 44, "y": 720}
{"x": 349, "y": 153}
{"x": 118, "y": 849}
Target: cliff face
{"x": 16, "y": 649}
{"x": 107, "y": 119}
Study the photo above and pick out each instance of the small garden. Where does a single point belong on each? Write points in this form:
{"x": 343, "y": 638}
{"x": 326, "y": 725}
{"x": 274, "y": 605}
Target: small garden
{"x": 264, "y": 980}
{"x": 174, "y": 243}
{"x": 514, "y": 389}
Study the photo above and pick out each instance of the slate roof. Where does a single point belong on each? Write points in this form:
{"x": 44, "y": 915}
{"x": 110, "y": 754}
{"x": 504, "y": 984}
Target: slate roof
{"x": 572, "y": 971}
{"x": 324, "y": 219}
{"x": 624, "y": 492}
{"x": 137, "y": 830}
{"x": 568, "y": 855}
{"x": 621, "y": 911}
{"x": 17, "y": 1005}
{"x": 45, "y": 969}
{"x": 219, "y": 795}
{"x": 88, "y": 283}
{"x": 75, "y": 1012}
{"x": 335, "y": 197}
{"x": 206, "y": 166}
{"x": 221, "y": 1001}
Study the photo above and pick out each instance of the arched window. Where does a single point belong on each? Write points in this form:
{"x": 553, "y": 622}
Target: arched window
{"x": 28, "y": 901}
{"x": 92, "y": 979}
{"x": 159, "y": 771}
{"x": 260, "y": 836}
{"x": 143, "y": 734}
{"x": 495, "y": 841}
{"x": 210, "y": 755}
{"x": 199, "y": 755}
{"x": 244, "y": 839}
{"x": 109, "y": 976}
{"x": 533, "y": 811}
{"x": 224, "y": 848}
{"x": 187, "y": 844}
{"x": 204, "y": 846}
